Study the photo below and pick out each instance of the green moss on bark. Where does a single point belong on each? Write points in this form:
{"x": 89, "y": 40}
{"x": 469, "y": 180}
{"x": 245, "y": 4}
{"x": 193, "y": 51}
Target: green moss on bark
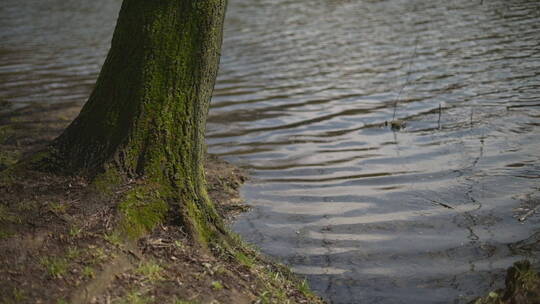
{"x": 142, "y": 209}
{"x": 106, "y": 182}
{"x": 5, "y": 133}
{"x": 8, "y": 159}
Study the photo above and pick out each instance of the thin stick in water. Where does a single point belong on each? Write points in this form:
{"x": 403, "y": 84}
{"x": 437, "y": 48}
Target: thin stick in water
{"x": 407, "y": 78}
{"x": 472, "y": 111}
{"x": 440, "y": 113}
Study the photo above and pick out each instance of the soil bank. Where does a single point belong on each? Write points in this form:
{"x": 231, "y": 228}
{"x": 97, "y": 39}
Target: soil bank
{"x": 58, "y": 242}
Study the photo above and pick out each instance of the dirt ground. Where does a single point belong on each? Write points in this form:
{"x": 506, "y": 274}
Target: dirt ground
{"x": 58, "y": 243}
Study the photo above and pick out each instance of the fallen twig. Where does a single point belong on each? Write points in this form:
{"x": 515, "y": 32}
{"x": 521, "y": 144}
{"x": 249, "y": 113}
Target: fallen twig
{"x": 529, "y": 213}
{"x": 441, "y": 204}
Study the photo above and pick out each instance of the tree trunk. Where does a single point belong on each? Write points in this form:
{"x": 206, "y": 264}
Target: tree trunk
{"x": 146, "y": 116}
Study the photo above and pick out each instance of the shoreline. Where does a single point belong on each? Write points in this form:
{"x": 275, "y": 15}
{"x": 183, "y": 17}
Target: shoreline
{"x": 58, "y": 242}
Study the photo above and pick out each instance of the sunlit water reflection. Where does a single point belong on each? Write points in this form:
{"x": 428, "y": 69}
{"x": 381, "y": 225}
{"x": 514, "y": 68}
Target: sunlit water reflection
{"x": 425, "y": 214}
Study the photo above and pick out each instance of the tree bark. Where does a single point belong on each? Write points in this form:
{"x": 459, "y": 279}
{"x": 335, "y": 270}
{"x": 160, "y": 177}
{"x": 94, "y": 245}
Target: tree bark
{"x": 146, "y": 116}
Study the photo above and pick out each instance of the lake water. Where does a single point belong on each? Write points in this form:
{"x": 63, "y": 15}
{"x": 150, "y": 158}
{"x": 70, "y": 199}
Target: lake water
{"x": 424, "y": 214}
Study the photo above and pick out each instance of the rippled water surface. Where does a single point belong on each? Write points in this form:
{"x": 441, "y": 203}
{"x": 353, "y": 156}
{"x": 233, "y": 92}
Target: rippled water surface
{"x": 371, "y": 215}
{"x": 424, "y": 214}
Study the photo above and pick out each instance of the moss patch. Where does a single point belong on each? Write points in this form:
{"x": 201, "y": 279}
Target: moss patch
{"x": 142, "y": 209}
{"x": 5, "y": 133}
{"x": 8, "y": 158}
{"x": 107, "y": 181}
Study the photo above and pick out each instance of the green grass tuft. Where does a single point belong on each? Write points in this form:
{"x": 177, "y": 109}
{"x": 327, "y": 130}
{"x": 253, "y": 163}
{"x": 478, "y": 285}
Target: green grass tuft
{"x": 133, "y": 297}
{"x": 56, "y": 267}
{"x": 114, "y": 238}
{"x": 216, "y": 285}
{"x": 88, "y": 272}
{"x": 151, "y": 271}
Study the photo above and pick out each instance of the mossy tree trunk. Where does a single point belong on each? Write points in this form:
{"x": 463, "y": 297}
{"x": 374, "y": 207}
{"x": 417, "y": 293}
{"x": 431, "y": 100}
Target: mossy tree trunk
{"x": 146, "y": 116}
